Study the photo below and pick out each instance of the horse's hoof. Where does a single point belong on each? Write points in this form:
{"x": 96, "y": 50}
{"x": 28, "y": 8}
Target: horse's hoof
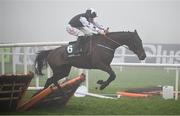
{"x": 103, "y": 86}
{"x": 100, "y": 82}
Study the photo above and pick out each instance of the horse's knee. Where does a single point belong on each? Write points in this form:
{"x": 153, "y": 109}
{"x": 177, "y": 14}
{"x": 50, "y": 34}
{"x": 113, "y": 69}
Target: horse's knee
{"x": 113, "y": 76}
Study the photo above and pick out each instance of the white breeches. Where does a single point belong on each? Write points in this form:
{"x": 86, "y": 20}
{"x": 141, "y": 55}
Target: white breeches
{"x": 79, "y": 31}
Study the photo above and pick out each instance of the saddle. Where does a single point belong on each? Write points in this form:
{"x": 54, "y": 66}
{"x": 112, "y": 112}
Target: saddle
{"x": 77, "y": 48}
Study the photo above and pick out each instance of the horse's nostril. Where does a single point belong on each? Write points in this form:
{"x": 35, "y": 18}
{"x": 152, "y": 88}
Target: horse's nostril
{"x": 143, "y": 57}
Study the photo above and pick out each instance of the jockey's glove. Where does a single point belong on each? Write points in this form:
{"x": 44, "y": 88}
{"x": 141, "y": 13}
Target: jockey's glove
{"x": 101, "y": 32}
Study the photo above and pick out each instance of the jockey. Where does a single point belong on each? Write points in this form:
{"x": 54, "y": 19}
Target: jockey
{"x": 85, "y": 23}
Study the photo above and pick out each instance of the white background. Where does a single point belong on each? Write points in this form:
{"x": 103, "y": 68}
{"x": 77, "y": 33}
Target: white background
{"x": 157, "y": 21}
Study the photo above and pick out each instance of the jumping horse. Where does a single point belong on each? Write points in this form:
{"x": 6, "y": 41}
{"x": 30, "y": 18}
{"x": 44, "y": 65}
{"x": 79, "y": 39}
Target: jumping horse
{"x": 98, "y": 52}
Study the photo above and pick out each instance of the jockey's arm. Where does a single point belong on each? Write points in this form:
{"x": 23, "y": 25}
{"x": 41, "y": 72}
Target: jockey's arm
{"x": 96, "y": 24}
{"x": 100, "y": 28}
{"x": 91, "y": 26}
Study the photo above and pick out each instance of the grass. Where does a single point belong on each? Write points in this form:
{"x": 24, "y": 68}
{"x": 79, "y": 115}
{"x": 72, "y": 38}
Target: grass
{"x": 123, "y": 106}
{"x": 130, "y": 77}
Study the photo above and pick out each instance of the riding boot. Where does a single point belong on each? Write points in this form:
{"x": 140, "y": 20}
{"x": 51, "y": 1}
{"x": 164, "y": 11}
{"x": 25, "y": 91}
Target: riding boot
{"x": 78, "y": 46}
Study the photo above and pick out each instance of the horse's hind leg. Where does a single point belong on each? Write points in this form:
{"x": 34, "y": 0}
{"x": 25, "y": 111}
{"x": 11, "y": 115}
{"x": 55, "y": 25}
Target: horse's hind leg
{"x": 59, "y": 72}
{"x": 48, "y": 82}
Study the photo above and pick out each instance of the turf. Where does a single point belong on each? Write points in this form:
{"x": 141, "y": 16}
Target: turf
{"x": 129, "y": 77}
{"x": 123, "y": 106}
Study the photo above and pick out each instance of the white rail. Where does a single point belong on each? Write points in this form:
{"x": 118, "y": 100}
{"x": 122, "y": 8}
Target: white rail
{"x": 175, "y": 66}
{"x": 33, "y": 44}
{"x": 146, "y": 64}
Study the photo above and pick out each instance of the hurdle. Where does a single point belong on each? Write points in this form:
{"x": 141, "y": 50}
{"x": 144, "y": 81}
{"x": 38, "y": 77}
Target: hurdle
{"x": 128, "y": 94}
{"x": 82, "y": 91}
{"x": 12, "y": 90}
{"x": 98, "y": 96}
{"x": 39, "y": 98}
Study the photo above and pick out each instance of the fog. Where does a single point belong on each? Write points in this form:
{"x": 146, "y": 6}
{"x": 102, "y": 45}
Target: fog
{"x": 156, "y": 21}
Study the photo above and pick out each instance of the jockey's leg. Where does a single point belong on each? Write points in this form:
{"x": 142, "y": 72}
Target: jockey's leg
{"x": 79, "y": 32}
{"x": 81, "y": 36}
{"x": 86, "y": 31}
{"x": 72, "y": 30}
{"x": 76, "y": 32}
{"x": 78, "y": 46}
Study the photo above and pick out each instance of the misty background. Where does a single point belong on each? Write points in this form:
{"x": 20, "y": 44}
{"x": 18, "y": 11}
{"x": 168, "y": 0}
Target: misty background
{"x": 156, "y": 21}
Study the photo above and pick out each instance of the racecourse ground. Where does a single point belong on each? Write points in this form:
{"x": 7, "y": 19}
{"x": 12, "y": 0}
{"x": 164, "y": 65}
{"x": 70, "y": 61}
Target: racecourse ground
{"x": 129, "y": 77}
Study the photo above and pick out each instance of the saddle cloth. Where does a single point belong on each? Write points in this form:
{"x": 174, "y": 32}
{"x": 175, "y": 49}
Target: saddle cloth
{"x": 78, "y": 48}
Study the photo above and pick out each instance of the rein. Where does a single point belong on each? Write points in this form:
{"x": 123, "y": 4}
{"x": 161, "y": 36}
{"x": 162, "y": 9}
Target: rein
{"x": 108, "y": 38}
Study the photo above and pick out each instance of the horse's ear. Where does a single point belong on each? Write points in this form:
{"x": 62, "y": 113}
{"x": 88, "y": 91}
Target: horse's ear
{"x": 135, "y": 31}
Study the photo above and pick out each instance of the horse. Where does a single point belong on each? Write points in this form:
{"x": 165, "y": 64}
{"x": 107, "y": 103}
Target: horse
{"x": 98, "y": 54}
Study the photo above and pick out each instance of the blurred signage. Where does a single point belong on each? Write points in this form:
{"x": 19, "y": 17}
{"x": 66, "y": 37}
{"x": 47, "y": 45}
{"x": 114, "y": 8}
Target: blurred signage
{"x": 157, "y": 53}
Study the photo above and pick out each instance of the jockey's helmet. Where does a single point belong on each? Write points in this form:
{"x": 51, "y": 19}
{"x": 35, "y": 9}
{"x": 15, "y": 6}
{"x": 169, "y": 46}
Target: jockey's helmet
{"x": 91, "y": 13}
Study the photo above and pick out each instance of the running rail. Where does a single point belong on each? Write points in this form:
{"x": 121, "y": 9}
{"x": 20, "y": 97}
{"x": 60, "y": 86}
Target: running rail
{"x": 33, "y": 44}
{"x": 175, "y": 66}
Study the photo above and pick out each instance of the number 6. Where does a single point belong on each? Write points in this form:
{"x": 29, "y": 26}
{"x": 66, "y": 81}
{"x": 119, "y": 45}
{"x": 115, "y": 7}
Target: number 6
{"x": 70, "y": 49}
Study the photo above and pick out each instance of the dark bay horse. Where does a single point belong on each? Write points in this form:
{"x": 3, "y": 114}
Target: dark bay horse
{"x": 99, "y": 54}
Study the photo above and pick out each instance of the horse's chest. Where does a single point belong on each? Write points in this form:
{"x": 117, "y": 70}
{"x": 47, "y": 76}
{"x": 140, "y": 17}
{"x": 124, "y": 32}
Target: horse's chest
{"x": 103, "y": 54}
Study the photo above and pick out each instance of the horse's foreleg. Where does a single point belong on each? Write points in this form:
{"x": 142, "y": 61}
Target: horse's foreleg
{"x": 112, "y": 76}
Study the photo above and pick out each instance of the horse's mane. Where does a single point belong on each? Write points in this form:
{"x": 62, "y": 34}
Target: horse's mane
{"x": 112, "y": 33}
{"x": 109, "y": 33}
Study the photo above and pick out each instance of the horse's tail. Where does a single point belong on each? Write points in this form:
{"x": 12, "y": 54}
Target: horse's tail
{"x": 41, "y": 61}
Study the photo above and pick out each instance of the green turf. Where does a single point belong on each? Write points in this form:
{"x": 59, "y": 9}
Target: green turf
{"x": 124, "y": 105}
{"x": 132, "y": 77}
{"x": 129, "y": 77}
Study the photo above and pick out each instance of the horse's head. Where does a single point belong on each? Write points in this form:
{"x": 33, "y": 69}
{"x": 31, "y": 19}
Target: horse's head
{"x": 135, "y": 45}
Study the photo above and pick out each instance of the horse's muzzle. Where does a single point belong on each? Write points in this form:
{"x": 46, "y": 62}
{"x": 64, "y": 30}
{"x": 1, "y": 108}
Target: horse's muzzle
{"x": 142, "y": 56}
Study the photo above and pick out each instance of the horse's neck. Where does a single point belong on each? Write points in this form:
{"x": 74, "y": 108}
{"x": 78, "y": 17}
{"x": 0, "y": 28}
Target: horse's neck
{"x": 117, "y": 39}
